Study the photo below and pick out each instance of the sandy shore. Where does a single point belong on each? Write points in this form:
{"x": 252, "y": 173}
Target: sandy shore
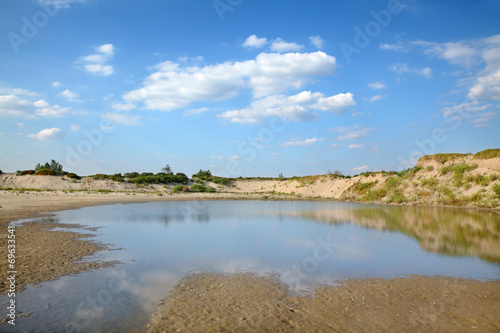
{"x": 246, "y": 303}
{"x": 242, "y": 302}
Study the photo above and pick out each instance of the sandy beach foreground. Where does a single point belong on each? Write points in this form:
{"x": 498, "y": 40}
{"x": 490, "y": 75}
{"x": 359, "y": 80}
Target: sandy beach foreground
{"x": 243, "y": 302}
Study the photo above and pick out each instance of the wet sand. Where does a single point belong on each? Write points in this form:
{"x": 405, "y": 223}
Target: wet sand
{"x": 243, "y": 302}
{"x": 246, "y": 303}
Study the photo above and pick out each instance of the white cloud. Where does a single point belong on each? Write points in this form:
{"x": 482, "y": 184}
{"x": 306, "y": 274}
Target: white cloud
{"x": 457, "y": 53}
{"x": 17, "y": 91}
{"x": 74, "y": 127}
{"x": 355, "y": 146}
{"x": 60, "y": 3}
{"x": 97, "y": 64}
{"x": 122, "y": 118}
{"x": 11, "y": 105}
{"x": 361, "y": 168}
{"x": 334, "y": 145}
{"x": 70, "y": 96}
{"x": 124, "y": 106}
{"x": 52, "y": 111}
{"x": 375, "y": 150}
{"x": 295, "y": 108}
{"x": 254, "y": 42}
{"x": 56, "y": 84}
{"x": 172, "y": 87}
{"x": 218, "y": 158}
{"x": 48, "y": 134}
{"x": 468, "y": 54}
{"x": 402, "y": 68}
{"x": 317, "y": 41}
{"x": 478, "y": 113}
{"x": 487, "y": 85}
{"x": 400, "y": 46}
{"x": 374, "y": 98}
{"x": 234, "y": 158}
{"x": 352, "y": 133}
{"x": 306, "y": 142}
{"x": 377, "y": 85}
{"x": 192, "y": 112}
{"x": 280, "y": 45}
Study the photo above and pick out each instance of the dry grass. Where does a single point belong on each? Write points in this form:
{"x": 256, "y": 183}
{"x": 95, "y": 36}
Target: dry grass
{"x": 488, "y": 153}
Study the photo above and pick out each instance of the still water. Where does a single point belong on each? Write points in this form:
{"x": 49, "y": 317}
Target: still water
{"x": 302, "y": 244}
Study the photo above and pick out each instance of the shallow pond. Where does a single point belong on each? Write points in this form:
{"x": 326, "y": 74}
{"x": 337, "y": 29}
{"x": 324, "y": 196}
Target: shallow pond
{"x": 303, "y": 244}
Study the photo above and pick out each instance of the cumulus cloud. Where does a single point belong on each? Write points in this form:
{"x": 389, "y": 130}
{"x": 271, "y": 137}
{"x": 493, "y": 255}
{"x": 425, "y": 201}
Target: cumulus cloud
{"x": 173, "y": 86}
{"x": 17, "y": 91}
{"x": 317, "y": 41}
{"x": 254, "y": 42}
{"x": 306, "y": 142}
{"x": 97, "y": 63}
{"x": 70, "y": 96}
{"x": 54, "y": 111}
{"x": 377, "y": 85}
{"x": 11, "y": 105}
{"x": 56, "y": 84}
{"x": 280, "y": 45}
{"x": 74, "y": 127}
{"x": 48, "y": 134}
{"x": 122, "y": 118}
{"x": 400, "y": 46}
{"x": 295, "y": 108}
{"x": 361, "y": 168}
{"x": 487, "y": 84}
{"x": 457, "y": 53}
{"x": 355, "y": 146}
{"x": 402, "y": 68}
{"x": 352, "y": 133}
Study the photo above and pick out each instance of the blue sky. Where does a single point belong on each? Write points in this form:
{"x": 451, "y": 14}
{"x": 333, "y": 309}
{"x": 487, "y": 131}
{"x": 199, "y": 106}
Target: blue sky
{"x": 246, "y": 88}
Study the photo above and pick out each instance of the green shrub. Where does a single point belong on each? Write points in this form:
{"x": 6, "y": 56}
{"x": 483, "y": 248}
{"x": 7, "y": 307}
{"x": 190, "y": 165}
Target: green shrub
{"x": 45, "y": 172}
{"x": 429, "y": 168}
{"x": 201, "y": 188}
{"x": 398, "y": 196}
{"x": 26, "y": 172}
{"x": 177, "y": 189}
{"x": 131, "y": 175}
{"x": 159, "y": 178}
{"x": 73, "y": 176}
{"x": 374, "y": 195}
{"x": 392, "y": 182}
{"x": 429, "y": 182}
{"x": 53, "y": 165}
{"x": 488, "y": 153}
{"x": 496, "y": 189}
{"x": 203, "y": 174}
{"x": 362, "y": 188}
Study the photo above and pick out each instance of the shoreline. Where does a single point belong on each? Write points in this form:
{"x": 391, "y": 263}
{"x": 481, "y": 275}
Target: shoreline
{"x": 16, "y": 206}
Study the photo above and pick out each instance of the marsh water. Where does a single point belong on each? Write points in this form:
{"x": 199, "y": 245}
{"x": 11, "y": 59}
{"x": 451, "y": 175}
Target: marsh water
{"x": 302, "y": 244}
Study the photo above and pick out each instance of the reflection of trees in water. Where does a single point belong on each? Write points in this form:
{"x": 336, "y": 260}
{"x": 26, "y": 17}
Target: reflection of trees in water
{"x": 438, "y": 229}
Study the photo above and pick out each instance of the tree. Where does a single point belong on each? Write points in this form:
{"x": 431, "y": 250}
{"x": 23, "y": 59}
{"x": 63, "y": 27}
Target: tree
{"x": 53, "y": 165}
{"x": 167, "y": 170}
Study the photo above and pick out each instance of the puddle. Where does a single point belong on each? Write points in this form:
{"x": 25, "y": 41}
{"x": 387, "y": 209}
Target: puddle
{"x": 303, "y": 244}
